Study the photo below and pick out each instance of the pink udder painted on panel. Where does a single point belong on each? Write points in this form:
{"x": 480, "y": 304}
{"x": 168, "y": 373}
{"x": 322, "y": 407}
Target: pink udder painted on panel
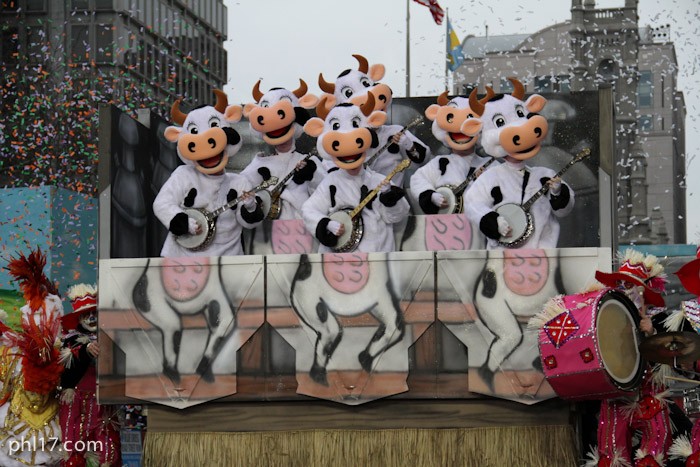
{"x": 525, "y": 271}
{"x": 347, "y": 272}
{"x": 184, "y": 278}
{"x": 291, "y": 237}
{"x": 447, "y": 232}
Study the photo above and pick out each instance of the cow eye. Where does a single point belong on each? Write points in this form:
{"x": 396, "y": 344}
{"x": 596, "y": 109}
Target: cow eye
{"x": 214, "y": 122}
{"x": 520, "y": 111}
{"x": 356, "y": 122}
{"x": 365, "y": 82}
{"x": 347, "y": 92}
{"x": 335, "y": 126}
{"x": 285, "y": 98}
{"x": 192, "y": 128}
{"x": 264, "y": 104}
{"x": 498, "y": 120}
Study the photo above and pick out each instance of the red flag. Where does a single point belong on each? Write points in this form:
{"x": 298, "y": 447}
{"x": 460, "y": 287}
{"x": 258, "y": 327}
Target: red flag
{"x": 435, "y": 9}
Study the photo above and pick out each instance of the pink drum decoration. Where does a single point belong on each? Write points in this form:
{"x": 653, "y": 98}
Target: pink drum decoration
{"x": 591, "y": 349}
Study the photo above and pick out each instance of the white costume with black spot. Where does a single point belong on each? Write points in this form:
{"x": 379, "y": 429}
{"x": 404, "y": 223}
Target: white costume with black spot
{"x": 387, "y": 161}
{"x": 211, "y": 192}
{"x": 450, "y": 169}
{"x": 505, "y": 181}
{"x": 339, "y": 190}
{"x": 279, "y": 165}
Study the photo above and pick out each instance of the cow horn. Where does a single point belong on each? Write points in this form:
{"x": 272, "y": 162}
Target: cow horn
{"x": 363, "y": 64}
{"x": 257, "y": 95}
{"x": 325, "y": 86}
{"x": 177, "y": 115}
{"x": 489, "y": 94}
{"x": 518, "y": 89}
{"x": 368, "y": 106}
{"x": 475, "y": 104}
{"x": 301, "y": 90}
{"x": 442, "y": 99}
{"x": 221, "y": 101}
{"x": 321, "y": 109}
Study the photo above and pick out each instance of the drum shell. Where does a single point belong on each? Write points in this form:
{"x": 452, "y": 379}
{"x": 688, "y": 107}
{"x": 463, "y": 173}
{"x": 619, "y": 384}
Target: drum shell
{"x": 576, "y": 370}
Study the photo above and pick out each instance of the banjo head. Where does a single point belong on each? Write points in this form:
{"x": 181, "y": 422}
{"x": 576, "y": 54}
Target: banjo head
{"x": 201, "y": 240}
{"x": 520, "y": 222}
{"x": 354, "y": 229}
{"x": 266, "y": 199}
{"x": 455, "y": 204}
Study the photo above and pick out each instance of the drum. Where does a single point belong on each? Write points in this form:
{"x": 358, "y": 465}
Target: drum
{"x": 591, "y": 349}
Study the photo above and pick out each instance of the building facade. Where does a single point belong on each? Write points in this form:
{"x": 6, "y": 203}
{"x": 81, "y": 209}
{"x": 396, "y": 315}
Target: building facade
{"x": 60, "y": 59}
{"x": 600, "y": 47}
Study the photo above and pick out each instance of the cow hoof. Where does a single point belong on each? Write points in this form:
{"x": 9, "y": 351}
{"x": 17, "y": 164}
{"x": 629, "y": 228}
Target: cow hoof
{"x": 318, "y": 374}
{"x": 171, "y": 373}
{"x": 204, "y": 370}
{"x": 486, "y": 375}
{"x": 366, "y": 360}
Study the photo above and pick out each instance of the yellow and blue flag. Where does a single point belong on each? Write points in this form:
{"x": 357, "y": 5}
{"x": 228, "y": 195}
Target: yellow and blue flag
{"x": 454, "y": 48}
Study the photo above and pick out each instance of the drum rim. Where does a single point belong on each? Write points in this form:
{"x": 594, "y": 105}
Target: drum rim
{"x": 636, "y": 378}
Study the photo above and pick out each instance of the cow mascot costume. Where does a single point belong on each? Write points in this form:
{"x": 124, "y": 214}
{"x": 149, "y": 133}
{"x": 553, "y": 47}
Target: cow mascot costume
{"x": 205, "y": 142}
{"x": 450, "y": 118}
{"x": 345, "y": 137}
{"x": 82, "y": 420}
{"x": 513, "y": 130}
{"x": 30, "y": 370}
{"x": 277, "y": 117}
{"x": 395, "y": 143}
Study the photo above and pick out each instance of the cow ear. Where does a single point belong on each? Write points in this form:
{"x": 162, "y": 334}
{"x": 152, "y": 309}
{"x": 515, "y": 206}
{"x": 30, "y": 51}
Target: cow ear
{"x": 248, "y": 108}
{"x": 308, "y": 101}
{"x": 172, "y": 133}
{"x": 431, "y": 111}
{"x": 376, "y": 119}
{"x": 233, "y": 113}
{"x": 471, "y": 126}
{"x": 535, "y": 103}
{"x": 376, "y": 72}
{"x": 314, "y": 127}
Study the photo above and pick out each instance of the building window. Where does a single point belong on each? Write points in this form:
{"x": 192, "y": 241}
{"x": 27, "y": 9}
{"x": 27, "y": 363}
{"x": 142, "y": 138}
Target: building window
{"x": 506, "y": 86}
{"x": 104, "y": 38}
{"x": 544, "y": 84}
{"x": 79, "y": 43}
{"x": 10, "y": 45}
{"x": 645, "y": 123}
{"x": 644, "y": 89}
{"x": 103, "y": 5}
{"x": 9, "y": 5}
{"x": 80, "y": 4}
{"x": 36, "y": 41}
{"x": 36, "y": 5}
{"x": 564, "y": 83}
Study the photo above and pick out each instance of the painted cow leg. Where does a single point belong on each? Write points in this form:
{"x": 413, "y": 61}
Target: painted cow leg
{"x": 220, "y": 319}
{"x": 390, "y": 331}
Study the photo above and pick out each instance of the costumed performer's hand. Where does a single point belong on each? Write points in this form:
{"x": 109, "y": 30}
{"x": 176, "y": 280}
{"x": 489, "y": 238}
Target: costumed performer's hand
{"x": 384, "y": 186}
{"x": 438, "y": 200}
{"x": 503, "y": 228}
{"x": 300, "y": 165}
{"x": 248, "y": 200}
{"x": 646, "y": 326}
{"x": 403, "y": 141}
{"x": 93, "y": 349}
{"x": 554, "y": 185}
{"x": 67, "y": 396}
{"x": 336, "y": 228}
{"x": 193, "y": 227}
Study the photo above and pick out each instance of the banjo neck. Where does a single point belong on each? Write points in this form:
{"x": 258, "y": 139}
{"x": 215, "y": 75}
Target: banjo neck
{"x": 403, "y": 165}
{"x": 545, "y": 188}
{"x": 411, "y": 124}
{"x": 266, "y": 183}
{"x": 463, "y": 186}
{"x": 279, "y": 188}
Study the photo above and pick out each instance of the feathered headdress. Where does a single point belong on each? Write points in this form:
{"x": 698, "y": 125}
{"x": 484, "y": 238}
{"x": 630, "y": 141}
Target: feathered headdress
{"x": 639, "y": 269}
{"x": 29, "y": 272}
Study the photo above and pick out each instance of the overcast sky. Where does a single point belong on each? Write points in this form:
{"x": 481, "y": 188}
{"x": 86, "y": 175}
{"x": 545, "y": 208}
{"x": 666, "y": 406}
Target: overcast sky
{"x": 281, "y": 41}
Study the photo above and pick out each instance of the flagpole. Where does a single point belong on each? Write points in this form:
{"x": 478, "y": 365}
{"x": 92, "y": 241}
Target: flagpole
{"x": 408, "y": 49}
{"x": 447, "y": 47}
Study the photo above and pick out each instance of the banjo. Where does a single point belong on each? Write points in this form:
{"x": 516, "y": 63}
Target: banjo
{"x": 354, "y": 227}
{"x": 453, "y": 194}
{"x": 411, "y": 124}
{"x": 519, "y": 217}
{"x": 271, "y": 201}
{"x": 207, "y": 220}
